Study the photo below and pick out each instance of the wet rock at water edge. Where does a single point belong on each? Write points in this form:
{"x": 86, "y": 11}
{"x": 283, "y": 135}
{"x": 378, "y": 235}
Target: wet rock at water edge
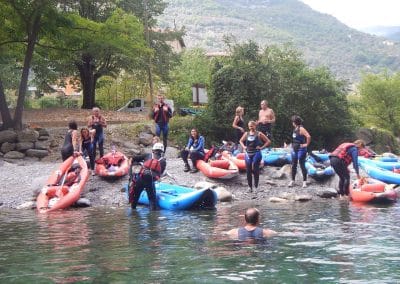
{"x": 327, "y": 192}
{"x": 27, "y": 205}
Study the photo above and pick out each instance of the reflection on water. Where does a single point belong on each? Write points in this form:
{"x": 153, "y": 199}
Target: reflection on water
{"x": 327, "y": 241}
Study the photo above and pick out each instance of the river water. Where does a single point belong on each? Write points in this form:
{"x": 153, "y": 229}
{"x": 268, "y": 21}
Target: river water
{"x": 325, "y": 241}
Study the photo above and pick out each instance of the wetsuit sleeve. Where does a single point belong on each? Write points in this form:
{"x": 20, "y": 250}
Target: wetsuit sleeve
{"x": 190, "y": 143}
{"x": 163, "y": 165}
{"x": 353, "y": 151}
{"x": 200, "y": 145}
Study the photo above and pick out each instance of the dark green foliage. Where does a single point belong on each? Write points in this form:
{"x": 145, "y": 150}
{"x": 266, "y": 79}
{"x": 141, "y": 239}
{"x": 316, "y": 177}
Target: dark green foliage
{"x": 282, "y": 78}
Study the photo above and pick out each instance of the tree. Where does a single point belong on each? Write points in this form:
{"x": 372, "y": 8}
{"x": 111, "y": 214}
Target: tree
{"x": 195, "y": 67}
{"x": 23, "y": 22}
{"x": 380, "y": 101}
{"x": 250, "y": 75}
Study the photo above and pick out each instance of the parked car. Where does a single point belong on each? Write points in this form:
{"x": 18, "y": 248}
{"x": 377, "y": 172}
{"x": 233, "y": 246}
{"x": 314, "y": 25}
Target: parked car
{"x": 139, "y": 105}
{"x": 189, "y": 111}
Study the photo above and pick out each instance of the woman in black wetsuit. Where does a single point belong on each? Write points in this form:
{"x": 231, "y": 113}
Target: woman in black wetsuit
{"x": 71, "y": 141}
{"x": 238, "y": 124}
{"x": 252, "y": 142}
{"x": 87, "y": 139}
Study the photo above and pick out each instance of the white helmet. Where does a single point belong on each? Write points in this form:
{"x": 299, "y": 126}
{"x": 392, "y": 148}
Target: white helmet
{"x": 158, "y": 147}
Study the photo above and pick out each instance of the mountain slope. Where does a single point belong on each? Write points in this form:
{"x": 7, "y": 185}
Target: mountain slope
{"x": 321, "y": 38}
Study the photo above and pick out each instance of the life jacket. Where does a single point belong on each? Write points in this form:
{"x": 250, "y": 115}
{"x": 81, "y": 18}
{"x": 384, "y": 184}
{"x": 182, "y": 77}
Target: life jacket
{"x": 341, "y": 152}
{"x": 151, "y": 169}
{"x": 210, "y": 153}
{"x": 163, "y": 113}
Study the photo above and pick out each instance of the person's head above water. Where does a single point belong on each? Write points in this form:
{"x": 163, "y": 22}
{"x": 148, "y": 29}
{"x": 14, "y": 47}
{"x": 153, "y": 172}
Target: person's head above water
{"x": 252, "y": 216}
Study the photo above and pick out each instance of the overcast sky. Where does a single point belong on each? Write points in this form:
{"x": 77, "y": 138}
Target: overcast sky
{"x": 360, "y": 13}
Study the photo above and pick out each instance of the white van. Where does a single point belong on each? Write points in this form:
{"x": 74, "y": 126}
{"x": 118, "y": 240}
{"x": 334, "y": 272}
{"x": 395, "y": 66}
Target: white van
{"x": 139, "y": 105}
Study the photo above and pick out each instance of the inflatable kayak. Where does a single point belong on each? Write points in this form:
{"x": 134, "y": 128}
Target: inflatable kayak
{"x": 387, "y": 176}
{"x": 64, "y": 186}
{"x": 238, "y": 160}
{"x": 176, "y": 197}
{"x": 276, "y": 156}
{"x": 112, "y": 165}
{"x": 371, "y": 190}
{"x": 319, "y": 170}
{"x": 220, "y": 169}
{"x": 380, "y": 163}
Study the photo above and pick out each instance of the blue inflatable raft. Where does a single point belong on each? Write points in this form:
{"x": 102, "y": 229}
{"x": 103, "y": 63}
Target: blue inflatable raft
{"x": 381, "y": 174}
{"x": 319, "y": 170}
{"x": 176, "y": 197}
{"x": 276, "y": 156}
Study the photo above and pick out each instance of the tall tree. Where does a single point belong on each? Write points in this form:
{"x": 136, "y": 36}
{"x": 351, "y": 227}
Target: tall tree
{"x": 22, "y": 24}
{"x": 380, "y": 101}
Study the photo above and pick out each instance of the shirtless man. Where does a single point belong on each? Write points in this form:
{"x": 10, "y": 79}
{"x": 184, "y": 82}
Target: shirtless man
{"x": 266, "y": 117}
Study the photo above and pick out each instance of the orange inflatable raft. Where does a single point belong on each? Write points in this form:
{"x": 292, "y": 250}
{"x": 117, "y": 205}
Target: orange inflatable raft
{"x": 112, "y": 165}
{"x": 64, "y": 186}
{"x": 371, "y": 190}
{"x": 238, "y": 159}
{"x": 221, "y": 169}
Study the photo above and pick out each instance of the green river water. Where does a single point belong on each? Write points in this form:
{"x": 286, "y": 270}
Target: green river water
{"x": 328, "y": 241}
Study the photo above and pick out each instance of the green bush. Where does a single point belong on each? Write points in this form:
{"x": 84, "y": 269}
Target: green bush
{"x": 179, "y": 129}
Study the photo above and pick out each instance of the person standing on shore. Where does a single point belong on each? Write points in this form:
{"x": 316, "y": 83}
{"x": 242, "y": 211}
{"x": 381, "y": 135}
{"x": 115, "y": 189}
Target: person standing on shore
{"x": 238, "y": 124}
{"x": 341, "y": 158}
{"x": 97, "y": 122}
{"x": 71, "y": 141}
{"x": 300, "y": 142}
{"x": 266, "y": 117}
{"x": 161, "y": 114}
{"x": 252, "y": 143}
{"x": 87, "y": 139}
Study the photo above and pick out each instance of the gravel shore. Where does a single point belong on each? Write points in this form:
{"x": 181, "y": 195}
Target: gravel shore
{"x": 22, "y": 179}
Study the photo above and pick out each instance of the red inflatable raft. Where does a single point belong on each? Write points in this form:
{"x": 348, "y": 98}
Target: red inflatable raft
{"x": 64, "y": 186}
{"x": 113, "y": 164}
{"x": 238, "y": 159}
{"x": 371, "y": 190}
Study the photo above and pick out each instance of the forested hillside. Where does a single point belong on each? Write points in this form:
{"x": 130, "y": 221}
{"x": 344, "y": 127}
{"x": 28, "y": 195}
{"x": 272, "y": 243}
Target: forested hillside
{"x": 321, "y": 38}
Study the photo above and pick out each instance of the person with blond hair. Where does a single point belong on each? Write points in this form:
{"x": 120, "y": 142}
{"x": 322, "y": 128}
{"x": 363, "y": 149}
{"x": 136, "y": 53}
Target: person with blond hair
{"x": 345, "y": 154}
{"x": 238, "y": 124}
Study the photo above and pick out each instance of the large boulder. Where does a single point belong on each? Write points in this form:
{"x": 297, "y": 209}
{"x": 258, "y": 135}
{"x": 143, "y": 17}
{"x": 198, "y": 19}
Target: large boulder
{"x": 23, "y": 146}
{"x": 14, "y": 155}
{"x": 42, "y": 145}
{"x": 37, "y": 153}
{"x": 8, "y": 136}
{"x": 27, "y": 135}
{"x": 7, "y": 147}
{"x": 145, "y": 138}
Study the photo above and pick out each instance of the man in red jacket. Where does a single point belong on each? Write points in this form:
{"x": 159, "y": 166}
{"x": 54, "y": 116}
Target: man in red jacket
{"x": 162, "y": 112}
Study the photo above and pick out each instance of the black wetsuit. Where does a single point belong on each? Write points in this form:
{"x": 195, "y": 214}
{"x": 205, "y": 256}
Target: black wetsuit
{"x": 238, "y": 132}
{"x": 87, "y": 149}
{"x": 67, "y": 149}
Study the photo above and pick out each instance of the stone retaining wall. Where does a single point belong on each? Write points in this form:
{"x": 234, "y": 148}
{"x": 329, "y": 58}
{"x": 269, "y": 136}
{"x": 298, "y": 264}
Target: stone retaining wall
{"x": 25, "y": 143}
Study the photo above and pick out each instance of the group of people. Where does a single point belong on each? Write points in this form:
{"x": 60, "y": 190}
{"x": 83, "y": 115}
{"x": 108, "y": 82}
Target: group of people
{"x": 86, "y": 141}
{"x": 259, "y": 137}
